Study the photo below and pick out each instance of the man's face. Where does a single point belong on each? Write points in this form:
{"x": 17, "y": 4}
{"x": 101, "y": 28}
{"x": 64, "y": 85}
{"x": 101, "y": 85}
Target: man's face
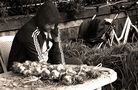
{"x": 49, "y": 27}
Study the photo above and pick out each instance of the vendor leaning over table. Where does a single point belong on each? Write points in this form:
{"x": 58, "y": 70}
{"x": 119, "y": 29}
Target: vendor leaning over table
{"x": 38, "y": 39}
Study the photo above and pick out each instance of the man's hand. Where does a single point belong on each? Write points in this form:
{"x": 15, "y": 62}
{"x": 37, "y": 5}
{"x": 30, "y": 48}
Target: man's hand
{"x": 55, "y": 34}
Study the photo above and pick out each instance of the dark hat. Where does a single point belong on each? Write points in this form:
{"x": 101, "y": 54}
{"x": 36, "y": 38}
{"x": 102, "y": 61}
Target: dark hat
{"x": 47, "y": 14}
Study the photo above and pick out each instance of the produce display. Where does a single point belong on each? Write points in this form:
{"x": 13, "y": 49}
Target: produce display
{"x": 64, "y": 74}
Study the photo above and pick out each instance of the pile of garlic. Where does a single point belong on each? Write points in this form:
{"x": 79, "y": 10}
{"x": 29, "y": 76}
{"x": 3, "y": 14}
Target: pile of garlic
{"x": 65, "y": 74}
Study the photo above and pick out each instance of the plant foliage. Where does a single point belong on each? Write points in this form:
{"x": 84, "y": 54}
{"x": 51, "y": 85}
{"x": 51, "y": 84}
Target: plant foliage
{"x": 123, "y": 59}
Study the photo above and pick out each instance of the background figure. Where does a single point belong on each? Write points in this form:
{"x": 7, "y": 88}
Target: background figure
{"x": 91, "y": 31}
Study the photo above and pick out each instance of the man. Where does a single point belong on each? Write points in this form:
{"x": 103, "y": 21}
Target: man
{"x": 91, "y": 31}
{"x": 38, "y": 39}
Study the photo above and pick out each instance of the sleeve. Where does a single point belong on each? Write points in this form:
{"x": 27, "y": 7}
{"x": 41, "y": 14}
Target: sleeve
{"x": 32, "y": 47}
{"x": 31, "y": 51}
{"x": 21, "y": 50}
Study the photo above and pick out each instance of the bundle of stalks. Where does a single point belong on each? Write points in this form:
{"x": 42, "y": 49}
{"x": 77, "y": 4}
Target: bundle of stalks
{"x": 123, "y": 59}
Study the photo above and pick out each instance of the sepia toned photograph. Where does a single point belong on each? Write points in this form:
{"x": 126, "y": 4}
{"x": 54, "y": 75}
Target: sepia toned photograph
{"x": 68, "y": 45}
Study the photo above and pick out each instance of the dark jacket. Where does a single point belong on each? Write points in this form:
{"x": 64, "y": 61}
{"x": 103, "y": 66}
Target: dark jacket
{"x": 23, "y": 47}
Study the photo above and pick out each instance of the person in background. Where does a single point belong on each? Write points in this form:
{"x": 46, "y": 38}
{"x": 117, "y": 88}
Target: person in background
{"x": 38, "y": 39}
{"x": 91, "y": 31}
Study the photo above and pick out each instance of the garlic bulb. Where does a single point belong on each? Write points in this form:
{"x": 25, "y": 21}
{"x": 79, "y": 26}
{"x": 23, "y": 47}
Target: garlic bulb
{"x": 55, "y": 74}
{"x": 67, "y": 80}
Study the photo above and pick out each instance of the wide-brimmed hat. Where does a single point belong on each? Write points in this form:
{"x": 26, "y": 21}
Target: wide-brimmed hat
{"x": 47, "y": 14}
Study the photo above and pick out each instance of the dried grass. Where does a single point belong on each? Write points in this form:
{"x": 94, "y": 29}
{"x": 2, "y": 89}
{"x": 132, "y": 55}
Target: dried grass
{"x": 123, "y": 59}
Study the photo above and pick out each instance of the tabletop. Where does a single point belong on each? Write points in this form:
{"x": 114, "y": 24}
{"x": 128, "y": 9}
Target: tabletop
{"x": 6, "y": 83}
